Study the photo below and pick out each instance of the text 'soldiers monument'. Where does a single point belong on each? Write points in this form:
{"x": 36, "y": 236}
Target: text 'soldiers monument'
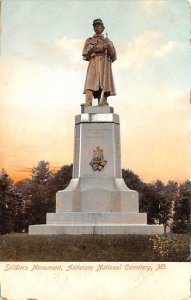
{"x": 97, "y": 200}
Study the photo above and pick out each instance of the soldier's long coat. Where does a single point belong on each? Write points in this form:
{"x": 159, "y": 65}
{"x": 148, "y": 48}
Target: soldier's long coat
{"x": 99, "y": 73}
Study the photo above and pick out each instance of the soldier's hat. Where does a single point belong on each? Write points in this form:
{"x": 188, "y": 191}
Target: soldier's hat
{"x": 98, "y": 21}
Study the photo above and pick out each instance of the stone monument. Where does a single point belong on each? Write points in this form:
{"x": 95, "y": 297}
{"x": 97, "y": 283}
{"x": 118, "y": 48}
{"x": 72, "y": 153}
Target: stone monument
{"x": 97, "y": 200}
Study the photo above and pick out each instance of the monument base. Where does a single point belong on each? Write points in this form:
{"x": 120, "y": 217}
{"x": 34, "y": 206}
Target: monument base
{"x": 56, "y": 229}
{"x": 96, "y": 206}
{"x": 97, "y": 200}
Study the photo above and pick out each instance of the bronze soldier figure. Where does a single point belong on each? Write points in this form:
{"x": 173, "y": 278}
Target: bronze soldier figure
{"x": 100, "y": 53}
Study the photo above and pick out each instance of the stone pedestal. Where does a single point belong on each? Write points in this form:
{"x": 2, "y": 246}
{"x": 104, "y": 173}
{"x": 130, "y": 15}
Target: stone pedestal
{"x": 97, "y": 200}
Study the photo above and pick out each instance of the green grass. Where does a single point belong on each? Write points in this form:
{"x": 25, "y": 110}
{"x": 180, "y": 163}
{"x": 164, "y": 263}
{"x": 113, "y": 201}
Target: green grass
{"x": 24, "y": 247}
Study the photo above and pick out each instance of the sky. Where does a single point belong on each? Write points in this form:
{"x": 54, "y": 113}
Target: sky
{"x": 42, "y": 76}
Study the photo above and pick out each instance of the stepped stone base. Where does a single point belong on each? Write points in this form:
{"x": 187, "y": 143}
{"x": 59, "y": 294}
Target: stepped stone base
{"x": 95, "y": 218}
{"x": 95, "y": 229}
{"x": 96, "y": 206}
{"x": 97, "y": 200}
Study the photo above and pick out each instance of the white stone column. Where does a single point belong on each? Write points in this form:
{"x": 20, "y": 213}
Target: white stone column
{"x": 97, "y": 127}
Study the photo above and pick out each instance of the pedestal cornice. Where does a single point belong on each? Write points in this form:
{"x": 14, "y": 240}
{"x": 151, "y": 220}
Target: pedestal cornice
{"x": 97, "y": 118}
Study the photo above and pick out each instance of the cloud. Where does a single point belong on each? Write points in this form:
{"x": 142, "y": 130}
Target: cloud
{"x": 154, "y": 6}
{"x": 164, "y": 49}
{"x": 24, "y": 170}
{"x": 69, "y": 48}
{"x": 65, "y": 52}
{"x": 151, "y": 44}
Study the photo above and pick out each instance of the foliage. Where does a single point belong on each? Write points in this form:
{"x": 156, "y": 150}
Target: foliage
{"x": 132, "y": 180}
{"x": 61, "y": 178}
{"x": 181, "y": 216}
{"x": 155, "y": 198}
{"x": 37, "y": 195}
{"x": 168, "y": 197}
{"x": 39, "y": 191}
{"x": 166, "y": 246}
{"x": 41, "y": 174}
{"x": 150, "y": 203}
{"x": 11, "y": 204}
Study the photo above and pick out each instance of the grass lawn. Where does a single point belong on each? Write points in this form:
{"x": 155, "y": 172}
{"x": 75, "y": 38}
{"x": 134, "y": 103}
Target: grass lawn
{"x": 24, "y": 247}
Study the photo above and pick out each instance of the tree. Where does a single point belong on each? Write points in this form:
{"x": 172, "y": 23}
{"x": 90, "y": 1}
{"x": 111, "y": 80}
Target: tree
{"x": 61, "y": 178}
{"x": 5, "y": 184}
{"x": 148, "y": 197}
{"x": 181, "y": 216}
{"x": 11, "y": 205}
{"x": 150, "y": 202}
{"x": 160, "y": 199}
{"x": 157, "y": 201}
{"x": 167, "y": 199}
{"x": 37, "y": 194}
{"x": 41, "y": 174}
{"x": 132, "y": 180}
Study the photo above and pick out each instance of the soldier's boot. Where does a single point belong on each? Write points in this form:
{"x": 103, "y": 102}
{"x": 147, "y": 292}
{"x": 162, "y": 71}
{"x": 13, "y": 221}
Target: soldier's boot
{"x": 89, "y": 98}
{"x": 103, "y": 101}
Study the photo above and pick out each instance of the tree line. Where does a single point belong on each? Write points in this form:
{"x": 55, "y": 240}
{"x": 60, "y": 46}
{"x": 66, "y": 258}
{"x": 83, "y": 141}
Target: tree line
{"x": 27, "y": 201}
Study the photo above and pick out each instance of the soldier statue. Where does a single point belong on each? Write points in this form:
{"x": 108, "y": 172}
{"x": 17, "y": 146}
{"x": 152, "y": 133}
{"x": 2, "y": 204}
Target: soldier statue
{"x": 100, "y": 53}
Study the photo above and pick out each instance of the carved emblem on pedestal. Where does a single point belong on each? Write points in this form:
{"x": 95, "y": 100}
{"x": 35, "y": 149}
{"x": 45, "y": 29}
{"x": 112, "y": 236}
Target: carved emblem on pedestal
{"x": 98, "y": 163}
